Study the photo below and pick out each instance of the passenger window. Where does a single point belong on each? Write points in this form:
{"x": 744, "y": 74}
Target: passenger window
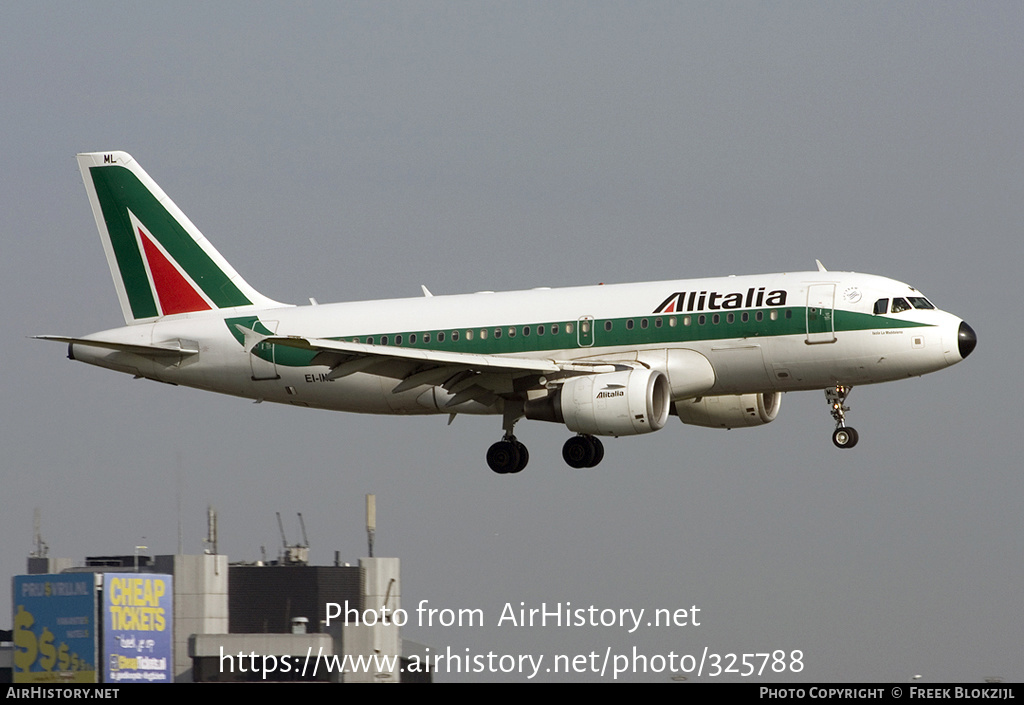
{"x": 440, "y": 336}
{"x": 412, "y": 339}
{"x": 881, "y": 306}
{"x": 469, "y": 335}
{"x": 608, "y": 325}
{"x": 426, "y": 338}
{"x": 554, "y": 329}
{"x": 455, "y": 335}
{"x": 899, "y": 305}
{"x": 643, "y": 323}
{"x": 629, "y": 324}
{"x": 398, "y": 340}
{"x": 540, "y": 330}
{"x": 497, "y": 332}
{"x": 568, "y": 328}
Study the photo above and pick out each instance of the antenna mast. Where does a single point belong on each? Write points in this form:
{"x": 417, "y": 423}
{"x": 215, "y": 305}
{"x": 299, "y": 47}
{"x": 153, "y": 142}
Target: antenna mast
{"x": 371, "y": 519}
{"x": 40, "y": 548}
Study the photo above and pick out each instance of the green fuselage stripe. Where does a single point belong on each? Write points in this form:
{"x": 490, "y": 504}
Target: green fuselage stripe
{"x": 687, "y": 328}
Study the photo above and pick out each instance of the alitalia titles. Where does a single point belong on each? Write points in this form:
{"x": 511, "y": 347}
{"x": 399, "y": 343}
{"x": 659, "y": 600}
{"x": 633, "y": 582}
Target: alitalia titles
{"x": 690, "y": 301}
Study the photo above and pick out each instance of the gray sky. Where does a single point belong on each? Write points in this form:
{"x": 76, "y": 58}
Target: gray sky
{"x": 357, "y": 150}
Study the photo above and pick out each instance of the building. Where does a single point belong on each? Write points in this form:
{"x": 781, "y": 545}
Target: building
{"x": 234, "y": 623}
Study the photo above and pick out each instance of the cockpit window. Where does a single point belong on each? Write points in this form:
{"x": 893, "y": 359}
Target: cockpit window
{"x": 899, "y": 305}
{"x": 920, "y": 302}
{"x": 881, "y": 306}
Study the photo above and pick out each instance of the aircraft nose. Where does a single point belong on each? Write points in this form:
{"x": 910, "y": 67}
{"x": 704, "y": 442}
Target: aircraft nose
{"x": 966, "y": 339}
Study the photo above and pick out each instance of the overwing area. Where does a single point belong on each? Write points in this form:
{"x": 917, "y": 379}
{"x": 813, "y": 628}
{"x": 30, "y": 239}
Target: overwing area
{"x": 481, "y": 378}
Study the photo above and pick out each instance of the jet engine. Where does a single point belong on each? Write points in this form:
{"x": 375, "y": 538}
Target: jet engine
{"x": 730, "y": 411}
{"x": 624, "y": 403}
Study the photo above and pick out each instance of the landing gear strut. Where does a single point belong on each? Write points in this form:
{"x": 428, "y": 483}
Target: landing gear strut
{"x": 843, "y": 436}
{"x": 583, "y": 451}
{"x": 508, "y": 456}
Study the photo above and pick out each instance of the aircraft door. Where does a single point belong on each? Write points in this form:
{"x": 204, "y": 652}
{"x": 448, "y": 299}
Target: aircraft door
{"x": 261, "y": 357}
{"x": 585, "y": 331}
{"x": 820, "y": 313}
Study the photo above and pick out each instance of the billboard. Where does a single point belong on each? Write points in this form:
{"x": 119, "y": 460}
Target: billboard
{"x": 138, "y": 629}
{"x": 54, "y": 628}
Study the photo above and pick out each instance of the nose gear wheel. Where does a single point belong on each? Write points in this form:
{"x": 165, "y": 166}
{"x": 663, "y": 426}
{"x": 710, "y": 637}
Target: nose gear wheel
{"x": 843, "y": 436}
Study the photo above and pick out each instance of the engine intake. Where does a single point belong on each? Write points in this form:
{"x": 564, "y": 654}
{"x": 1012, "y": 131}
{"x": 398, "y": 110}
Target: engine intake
{"x": 730, "y": 411}
{"x": 625, "y": 403}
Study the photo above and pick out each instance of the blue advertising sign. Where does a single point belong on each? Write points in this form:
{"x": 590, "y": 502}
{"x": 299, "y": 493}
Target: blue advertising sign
{"x": 54, "y": 628}
{"x": 138, "y": 629}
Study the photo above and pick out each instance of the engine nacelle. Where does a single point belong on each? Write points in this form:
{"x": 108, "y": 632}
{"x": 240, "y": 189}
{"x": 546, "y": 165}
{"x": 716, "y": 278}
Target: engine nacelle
{"x": 623, "y": 403}
{"x": 731, "y": 410}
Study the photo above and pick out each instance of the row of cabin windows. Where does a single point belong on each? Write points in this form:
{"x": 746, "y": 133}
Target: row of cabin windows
{"x": 441, "y": 336}
{"x": 702, "y": 319}
{"x": 554, "y": 328}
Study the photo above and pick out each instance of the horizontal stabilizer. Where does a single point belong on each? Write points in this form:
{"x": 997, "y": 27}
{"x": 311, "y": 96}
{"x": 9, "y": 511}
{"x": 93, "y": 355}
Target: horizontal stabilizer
{"x": 170, "y": 349}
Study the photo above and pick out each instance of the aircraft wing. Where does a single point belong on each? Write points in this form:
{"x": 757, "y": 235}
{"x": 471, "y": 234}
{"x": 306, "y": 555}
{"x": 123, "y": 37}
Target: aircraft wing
{"x": 490, "y": 362}
{"x": 465, "y": 375}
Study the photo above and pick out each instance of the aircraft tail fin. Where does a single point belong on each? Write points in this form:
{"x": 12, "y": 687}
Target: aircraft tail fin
{"x": 161, "y": 263}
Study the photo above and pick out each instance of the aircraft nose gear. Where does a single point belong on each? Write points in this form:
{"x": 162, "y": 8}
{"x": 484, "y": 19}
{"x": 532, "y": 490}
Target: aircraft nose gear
{"x": 507, "y": 456}
{"x": 843, "y": 436}
{"x": 583, "y": 451}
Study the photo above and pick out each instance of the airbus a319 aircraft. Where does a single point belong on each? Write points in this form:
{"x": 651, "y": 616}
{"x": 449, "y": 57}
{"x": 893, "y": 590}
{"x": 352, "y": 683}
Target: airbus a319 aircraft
{"x": 605, "y": 360}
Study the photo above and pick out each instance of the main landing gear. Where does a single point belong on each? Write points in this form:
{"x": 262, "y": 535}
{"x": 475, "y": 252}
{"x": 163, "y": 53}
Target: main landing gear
{"x": 843, "y": 436}
{"x": 508, "y": 456}
{"x": 583, "y": 451}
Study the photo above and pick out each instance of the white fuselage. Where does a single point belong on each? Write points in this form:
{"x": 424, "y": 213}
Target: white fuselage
{"x": 824, "y": 332}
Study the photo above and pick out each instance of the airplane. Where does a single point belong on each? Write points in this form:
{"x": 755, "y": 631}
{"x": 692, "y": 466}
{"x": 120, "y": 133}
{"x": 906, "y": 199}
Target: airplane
{"x": 605, "y": 360}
